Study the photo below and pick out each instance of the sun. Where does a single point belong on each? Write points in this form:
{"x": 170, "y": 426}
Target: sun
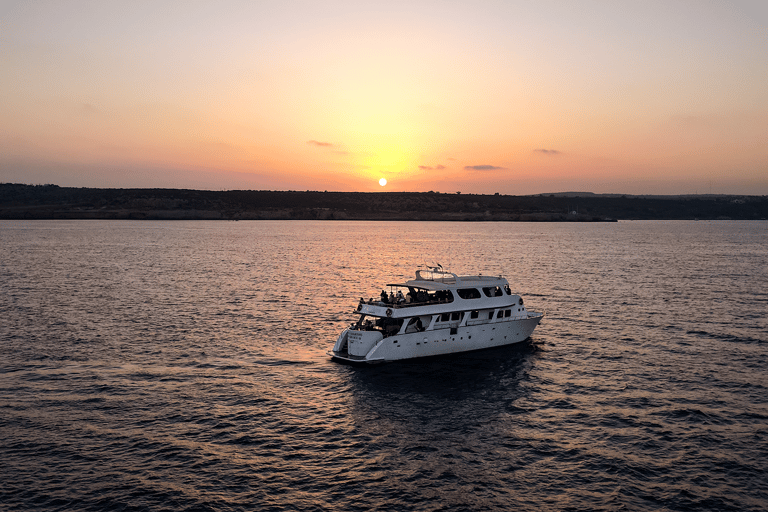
{"x": 382, "y": 182}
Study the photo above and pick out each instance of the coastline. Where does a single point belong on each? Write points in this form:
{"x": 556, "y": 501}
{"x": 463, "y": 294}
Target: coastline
{"x": 18, "y": 201}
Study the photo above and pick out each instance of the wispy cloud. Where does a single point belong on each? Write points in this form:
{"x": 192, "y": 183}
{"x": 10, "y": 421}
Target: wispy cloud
{"x": 88, "y": 109}
{"x": 432, "y": 168}
{"x": 319, "y": 144}
{"x": 547, "y": 151}
{"x": 482, "y": 168}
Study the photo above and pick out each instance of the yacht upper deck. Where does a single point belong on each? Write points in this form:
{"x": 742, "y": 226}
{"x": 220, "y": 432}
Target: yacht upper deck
{"x": 441, "y": 291}
{"x": 438, "y": 279}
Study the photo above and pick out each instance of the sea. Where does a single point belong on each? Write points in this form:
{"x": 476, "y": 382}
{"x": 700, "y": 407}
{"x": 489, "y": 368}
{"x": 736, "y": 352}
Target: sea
{"x": 183, "y": 366}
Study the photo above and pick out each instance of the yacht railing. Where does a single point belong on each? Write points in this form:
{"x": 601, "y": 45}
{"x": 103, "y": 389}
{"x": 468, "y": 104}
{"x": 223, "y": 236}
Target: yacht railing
{"x": 404, "y": 303}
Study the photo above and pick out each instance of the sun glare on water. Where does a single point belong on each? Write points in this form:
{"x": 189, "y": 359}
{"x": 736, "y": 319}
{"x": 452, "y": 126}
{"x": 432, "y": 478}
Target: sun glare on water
{"x": 382, "y": 182}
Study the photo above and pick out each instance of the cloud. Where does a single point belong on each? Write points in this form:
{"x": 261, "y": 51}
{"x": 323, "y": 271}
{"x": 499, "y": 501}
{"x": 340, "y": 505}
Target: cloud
{"x": 482, "y": 168}
{"x": 547, "y": 151}
{"x": 430, "y": 168}
{"x": 320, "y": 144}
{"x": 88, "y": 109}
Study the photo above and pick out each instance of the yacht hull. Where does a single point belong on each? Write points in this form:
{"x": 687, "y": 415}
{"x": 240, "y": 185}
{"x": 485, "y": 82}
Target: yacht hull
{"x": 429, "y": 343}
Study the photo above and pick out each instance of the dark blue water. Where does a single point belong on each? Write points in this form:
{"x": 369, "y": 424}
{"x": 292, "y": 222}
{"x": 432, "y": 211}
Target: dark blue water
{"x": 182, "y": 366}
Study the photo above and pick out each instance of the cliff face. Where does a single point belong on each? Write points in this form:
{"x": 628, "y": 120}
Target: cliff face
{"x": 53, "y": 202}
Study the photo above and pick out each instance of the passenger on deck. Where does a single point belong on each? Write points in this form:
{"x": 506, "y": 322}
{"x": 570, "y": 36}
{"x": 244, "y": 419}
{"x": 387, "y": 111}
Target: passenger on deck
{"x": 391, "y": 328}
{"x": 392, "y": 298}
{"x": 383, "y": 296}
{"x": 414, "y": 325}
{"x": 400, "y": 298}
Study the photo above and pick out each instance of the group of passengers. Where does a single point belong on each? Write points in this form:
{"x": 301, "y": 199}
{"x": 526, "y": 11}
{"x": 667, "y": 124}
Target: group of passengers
{"x": 392, "y": 298}
{"x": 412, "y": 297}
{"x": 389, "y": 326}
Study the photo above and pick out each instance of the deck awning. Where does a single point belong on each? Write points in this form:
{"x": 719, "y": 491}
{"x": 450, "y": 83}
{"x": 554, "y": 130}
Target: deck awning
{"x": 422, "y": 285}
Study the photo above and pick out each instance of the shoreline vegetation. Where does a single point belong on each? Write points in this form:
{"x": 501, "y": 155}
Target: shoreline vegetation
{"x": 19, "y": 201}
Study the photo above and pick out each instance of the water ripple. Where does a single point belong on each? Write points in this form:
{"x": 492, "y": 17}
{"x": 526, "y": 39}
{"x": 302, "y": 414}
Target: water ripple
{"x": 182, "y": 366}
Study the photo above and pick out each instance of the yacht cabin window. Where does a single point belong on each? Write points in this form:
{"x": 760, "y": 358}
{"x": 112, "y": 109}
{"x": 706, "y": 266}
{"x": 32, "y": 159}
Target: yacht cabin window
{"x": 469, "y": 293}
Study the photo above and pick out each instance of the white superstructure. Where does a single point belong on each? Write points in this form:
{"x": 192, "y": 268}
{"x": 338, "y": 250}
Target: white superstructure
{"x": 442, "y": 313}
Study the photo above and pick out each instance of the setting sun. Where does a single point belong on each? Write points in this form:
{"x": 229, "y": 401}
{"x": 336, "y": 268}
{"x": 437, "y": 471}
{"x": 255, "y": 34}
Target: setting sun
{"x": 382, "y": 182}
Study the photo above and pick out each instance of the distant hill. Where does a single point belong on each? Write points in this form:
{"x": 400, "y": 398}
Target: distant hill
{"x": 19, "y": 201}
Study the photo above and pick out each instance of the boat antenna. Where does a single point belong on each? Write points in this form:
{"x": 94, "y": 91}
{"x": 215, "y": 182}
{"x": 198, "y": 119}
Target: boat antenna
{"x": 434, "y": 268}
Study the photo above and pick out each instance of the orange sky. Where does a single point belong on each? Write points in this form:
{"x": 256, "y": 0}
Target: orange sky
{"x": 481, "y": 97}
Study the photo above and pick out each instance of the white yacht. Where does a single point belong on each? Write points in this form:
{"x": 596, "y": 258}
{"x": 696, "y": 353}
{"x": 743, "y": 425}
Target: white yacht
{"x": 437, "y": 313}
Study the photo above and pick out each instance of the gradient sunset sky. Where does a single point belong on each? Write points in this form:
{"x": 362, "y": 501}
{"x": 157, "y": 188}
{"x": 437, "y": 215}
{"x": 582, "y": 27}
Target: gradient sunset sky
{"x": 641, "y": 97}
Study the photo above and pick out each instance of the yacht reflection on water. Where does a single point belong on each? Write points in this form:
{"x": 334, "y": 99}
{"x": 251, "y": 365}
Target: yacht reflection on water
{"x": 457, "y": 375}
{"x": 449, "y": 396}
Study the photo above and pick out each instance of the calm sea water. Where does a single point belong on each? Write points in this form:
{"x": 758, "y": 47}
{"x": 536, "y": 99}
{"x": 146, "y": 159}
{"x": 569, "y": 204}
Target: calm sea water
{"x": 182, "y": 366}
